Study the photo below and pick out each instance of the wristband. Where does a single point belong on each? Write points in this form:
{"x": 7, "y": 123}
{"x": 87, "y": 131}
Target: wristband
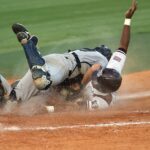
{"x": 127, "y": 22}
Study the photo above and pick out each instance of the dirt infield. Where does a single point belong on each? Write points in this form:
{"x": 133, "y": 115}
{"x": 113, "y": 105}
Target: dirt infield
{"x": 124, "y": 126}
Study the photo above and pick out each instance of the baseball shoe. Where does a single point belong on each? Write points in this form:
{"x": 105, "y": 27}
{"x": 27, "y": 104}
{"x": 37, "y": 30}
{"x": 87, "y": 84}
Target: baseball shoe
{"x": 17, "y": 27}
{"x": 23, "y": 34}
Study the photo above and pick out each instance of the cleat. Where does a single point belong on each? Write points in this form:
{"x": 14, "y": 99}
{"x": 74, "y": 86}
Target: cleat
{"x": 16, "y": 27}
{"x": 23, "y": 34}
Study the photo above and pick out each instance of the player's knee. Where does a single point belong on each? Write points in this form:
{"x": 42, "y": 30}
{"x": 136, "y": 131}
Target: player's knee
{"x": 109, "y": 81}
{"x": 41, "y": 79}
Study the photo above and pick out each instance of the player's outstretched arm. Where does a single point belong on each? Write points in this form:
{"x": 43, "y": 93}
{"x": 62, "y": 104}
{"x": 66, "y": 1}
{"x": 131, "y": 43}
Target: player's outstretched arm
{"x": 125, "y": 37}
{"x": 88, "y": 75}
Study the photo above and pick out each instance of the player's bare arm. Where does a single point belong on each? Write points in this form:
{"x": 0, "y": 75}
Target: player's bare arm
{"x": 124, "y": 42}
{"x": 125, "y": 37}
{"x": 111, "y": 79}
{"x": 88, "y": 75}
{"x": 86, "y": 78}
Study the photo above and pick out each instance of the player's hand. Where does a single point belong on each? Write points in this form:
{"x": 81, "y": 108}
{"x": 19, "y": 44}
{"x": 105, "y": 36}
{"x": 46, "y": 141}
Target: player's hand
{"x": 131, "y": 10}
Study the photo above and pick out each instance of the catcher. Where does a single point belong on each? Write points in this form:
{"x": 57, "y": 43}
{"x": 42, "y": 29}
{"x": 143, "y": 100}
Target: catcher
{"x": 53, "y": 71}
{"x": 76, "y": 68}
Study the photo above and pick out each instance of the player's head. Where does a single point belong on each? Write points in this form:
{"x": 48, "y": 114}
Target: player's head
{"x": 109, "y": 81}
{"x": 104, "y": 50}
{"x": 41, "y": 79}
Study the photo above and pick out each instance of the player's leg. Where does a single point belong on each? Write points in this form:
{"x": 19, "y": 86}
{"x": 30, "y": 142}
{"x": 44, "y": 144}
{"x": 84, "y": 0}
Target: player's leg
{"x": 32, "y": 54}
{"x": 24, "y": 89}
{"x": 40, "y": 74}
{"x": 5, "y": 89}
{"x": 37, "y": 65}
{"x": 29, "y": 44}
{"x": 99, "y": 100}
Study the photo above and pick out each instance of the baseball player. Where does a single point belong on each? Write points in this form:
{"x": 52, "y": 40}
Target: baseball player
{"x": 105, "y": 82}
{"x": 54, "y": 69}
{"x": 108, "y": 80}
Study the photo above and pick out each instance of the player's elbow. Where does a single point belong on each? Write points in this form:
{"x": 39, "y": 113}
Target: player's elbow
{"x": 95, "y": 67}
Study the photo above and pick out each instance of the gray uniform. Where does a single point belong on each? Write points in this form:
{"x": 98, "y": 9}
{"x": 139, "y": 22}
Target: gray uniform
{"x": 59, "y": 66}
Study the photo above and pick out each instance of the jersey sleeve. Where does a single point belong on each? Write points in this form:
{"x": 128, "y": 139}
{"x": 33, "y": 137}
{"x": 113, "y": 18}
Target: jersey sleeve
{"x": 117, "y": 61}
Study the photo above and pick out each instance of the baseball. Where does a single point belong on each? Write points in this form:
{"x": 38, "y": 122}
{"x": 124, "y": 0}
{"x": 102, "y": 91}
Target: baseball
{"x": 50, "y": 108}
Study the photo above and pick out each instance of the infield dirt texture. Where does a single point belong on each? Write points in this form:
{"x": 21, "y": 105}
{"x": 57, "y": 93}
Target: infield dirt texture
{"x": 74, "y": 24}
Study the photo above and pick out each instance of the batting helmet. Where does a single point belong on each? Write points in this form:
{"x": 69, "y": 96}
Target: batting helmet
{"x": 109, "y": 81}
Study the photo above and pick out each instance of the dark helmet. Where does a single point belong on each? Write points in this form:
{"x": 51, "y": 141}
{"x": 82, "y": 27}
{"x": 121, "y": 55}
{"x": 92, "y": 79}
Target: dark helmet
{"x": 104, "y": 50}
{"x": 109, "y": 81}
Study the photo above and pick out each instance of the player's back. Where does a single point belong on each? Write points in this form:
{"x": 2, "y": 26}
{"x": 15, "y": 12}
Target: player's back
{"x": 91, "y": 57}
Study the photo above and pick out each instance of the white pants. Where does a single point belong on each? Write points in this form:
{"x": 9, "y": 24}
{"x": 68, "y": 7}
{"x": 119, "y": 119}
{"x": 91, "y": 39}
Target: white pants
{"x": 99, "y": 100}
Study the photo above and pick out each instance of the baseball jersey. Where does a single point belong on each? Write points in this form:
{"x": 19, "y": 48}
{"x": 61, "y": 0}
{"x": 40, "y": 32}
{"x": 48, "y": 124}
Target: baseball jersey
{"x": 59, "y": 65}
{"x": 87, "y": 59}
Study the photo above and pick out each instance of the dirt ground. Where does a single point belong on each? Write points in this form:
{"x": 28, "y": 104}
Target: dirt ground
{"x": 124, "y": 126}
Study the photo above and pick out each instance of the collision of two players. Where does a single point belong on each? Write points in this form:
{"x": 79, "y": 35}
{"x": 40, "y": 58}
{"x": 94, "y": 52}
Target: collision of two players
{"x": 96, "y": 70}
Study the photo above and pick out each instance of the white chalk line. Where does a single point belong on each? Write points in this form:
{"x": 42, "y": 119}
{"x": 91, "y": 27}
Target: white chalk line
{"x": 134, "y": 95}
{"x": 85, "y": 126}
